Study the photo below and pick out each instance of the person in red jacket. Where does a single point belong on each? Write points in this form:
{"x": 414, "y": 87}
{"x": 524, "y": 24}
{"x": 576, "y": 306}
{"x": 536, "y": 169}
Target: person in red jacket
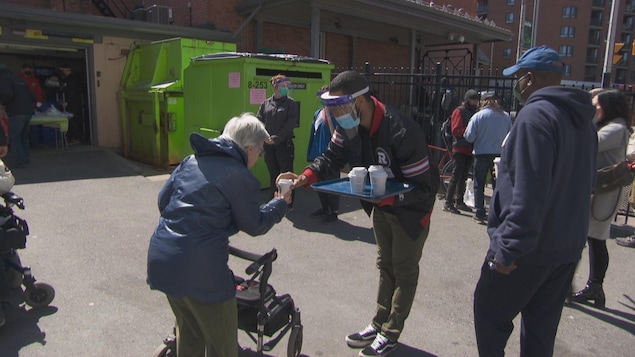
{"x": 462, "y": 152}
{"x": 33, "y": 83}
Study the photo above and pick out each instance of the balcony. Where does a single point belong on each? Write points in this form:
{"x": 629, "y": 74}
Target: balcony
{"x": 596, "y": 22}
{"x": 597, "y": 3}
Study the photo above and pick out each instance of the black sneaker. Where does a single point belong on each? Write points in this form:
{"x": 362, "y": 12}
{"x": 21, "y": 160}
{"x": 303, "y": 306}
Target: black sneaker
{"x": 362, "y": 338}
{"x": 319, "y": 212}
{"x": 381, "y": 346}
{"x": 463, "y": 207}
{"x": 330, "y": 218}
{"x": 451, "y": 209}
{"x": 479, "y": 219}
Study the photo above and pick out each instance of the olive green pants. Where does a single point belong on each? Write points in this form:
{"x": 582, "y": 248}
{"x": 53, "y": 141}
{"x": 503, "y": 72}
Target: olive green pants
{"x": 204, "y": 327}
{"x": 398, "y": 258}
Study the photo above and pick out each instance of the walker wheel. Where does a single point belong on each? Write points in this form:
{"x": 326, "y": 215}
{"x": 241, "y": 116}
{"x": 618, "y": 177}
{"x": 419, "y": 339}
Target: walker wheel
{"x": 167, "y": 348}
{"x": 295, "y": 341}
{"x": 41, "y": 296}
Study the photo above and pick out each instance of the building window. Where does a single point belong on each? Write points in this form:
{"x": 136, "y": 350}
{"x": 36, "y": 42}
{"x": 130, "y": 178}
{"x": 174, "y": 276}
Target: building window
{"x": 620, "y": 76}
{"x": 596, "y": 18}
{"x": 592, "y": 55}
{"x": 567, "y": 70}
{"x": 507, "y": 53}
{"x": 569, "y": 12}
{"x": 509, "y": 18}
{"x": 566, "y": 51}
{"x": 589, "y": 73}
{"x": 594, "y": 37}
{"x": 567, "y": 31}
{"x": 628, "y": 23}
{"x": 511, "y": 2}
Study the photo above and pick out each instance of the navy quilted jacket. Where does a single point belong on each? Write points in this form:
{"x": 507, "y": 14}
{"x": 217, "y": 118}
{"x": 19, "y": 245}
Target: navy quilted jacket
{"x": 210, "y": 196}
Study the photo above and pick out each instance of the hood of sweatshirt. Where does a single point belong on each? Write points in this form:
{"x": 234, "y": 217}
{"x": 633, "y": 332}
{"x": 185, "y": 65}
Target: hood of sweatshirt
{"x": 573, "y": 100}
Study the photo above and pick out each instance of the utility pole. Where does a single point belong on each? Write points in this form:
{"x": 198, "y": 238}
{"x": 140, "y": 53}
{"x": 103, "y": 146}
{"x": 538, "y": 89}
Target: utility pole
{"x": 521, "y": 29}
{"x": 534, "y": 24}
{"x": 610, "y": 45}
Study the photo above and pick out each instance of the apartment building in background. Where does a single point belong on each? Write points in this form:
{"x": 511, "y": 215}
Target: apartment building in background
{"x": 578, "y": 30}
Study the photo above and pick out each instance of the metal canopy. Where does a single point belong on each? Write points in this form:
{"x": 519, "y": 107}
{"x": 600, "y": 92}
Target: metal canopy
{"x": 14, "y": 20}
{"x": 382, "y": 20}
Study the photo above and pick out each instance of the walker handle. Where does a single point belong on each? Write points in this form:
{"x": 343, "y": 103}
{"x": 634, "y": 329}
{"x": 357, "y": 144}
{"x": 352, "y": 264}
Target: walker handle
{"x": 266, "y": 258}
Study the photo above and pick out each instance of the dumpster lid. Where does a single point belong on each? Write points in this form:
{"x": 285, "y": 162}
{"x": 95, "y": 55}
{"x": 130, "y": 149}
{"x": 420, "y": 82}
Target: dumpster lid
{"x": 265, "y": 56}
{"x": 163, "y": 85}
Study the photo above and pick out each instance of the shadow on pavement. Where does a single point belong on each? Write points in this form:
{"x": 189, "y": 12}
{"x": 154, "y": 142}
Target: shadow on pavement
{"x": 617, "y": 318}
{"x": 79, "y": 163}
{"x": 21, "y": 329}
{"x": 307, "y": 202}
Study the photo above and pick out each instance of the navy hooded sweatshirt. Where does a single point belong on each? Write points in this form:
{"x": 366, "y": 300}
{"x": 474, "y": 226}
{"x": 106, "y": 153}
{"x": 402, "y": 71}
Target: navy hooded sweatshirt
{"x": 539, "y": 212}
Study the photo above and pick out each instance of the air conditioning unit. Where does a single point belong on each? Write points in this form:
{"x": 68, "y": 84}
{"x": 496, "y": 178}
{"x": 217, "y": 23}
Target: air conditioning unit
{"x": 160, "y": 14}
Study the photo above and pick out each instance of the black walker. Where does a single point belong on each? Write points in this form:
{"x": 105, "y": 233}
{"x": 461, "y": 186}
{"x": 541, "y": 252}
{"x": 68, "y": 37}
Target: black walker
{"x": 261, "y": 312}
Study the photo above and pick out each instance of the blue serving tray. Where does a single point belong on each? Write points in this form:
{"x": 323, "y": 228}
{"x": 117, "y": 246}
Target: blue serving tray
{"x": 342, "y": 187}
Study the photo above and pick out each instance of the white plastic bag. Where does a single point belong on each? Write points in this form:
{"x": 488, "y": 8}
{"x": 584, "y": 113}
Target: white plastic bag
{"x": 6, "y": 178}
{"x": 468, "y": 197}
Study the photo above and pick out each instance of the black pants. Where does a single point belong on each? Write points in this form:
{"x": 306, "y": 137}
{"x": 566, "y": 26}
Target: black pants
{"x": 330, "y": 203}
{"x": 279, "y": 158}
{"x": 598, "y": 260}
{"x": 462, "y": 166}
{"x": 537, "y": 292}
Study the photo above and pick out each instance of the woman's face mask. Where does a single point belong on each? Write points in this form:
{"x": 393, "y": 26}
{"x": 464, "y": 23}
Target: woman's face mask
{"x": 284, "y": 91}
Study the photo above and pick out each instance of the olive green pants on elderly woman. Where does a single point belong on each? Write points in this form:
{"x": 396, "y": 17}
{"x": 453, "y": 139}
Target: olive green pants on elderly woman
{"x": 398, "y": 258}
{"x": 201, "y": 326}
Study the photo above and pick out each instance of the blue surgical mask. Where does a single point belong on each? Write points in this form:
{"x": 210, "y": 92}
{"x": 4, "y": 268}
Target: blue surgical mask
{"x": 347, "y": 121}
{"x": 283, "y": 91}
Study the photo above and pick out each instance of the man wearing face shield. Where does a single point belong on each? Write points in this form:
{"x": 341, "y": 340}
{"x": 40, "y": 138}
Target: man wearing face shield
{"x": 539, "y": 212}
{"x": 280, "y": 114}
{"x": 369, "y": 133}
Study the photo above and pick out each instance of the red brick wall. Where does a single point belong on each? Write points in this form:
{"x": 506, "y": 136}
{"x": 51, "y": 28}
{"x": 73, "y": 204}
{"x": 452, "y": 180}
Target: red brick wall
{"x": 293, "y": 40}
{"x": 381, "y": 54}
{"x": 76, "y": 6}
{"x": 338, "y": 49}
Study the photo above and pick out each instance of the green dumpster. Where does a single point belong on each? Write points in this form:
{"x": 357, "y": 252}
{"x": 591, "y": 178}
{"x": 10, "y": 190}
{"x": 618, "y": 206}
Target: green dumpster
{"x": 223, "y": 85}
{"x": 151, "y": 98}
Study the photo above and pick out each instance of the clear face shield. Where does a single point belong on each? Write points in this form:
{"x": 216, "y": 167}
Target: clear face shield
{"x": 282, "y": 85}
{"x": 342, "y": 108}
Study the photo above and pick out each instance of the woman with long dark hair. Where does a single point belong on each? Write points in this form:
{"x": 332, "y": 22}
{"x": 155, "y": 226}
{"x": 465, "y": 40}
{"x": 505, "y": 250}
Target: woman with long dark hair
{"x": 613, "y": 117}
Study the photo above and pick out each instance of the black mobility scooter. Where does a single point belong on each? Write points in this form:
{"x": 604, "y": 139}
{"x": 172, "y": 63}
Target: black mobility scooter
{"x": 13, "y": 233}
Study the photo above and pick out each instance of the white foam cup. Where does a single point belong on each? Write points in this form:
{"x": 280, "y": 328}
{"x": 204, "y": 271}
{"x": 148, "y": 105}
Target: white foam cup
{"x": 357, "y": 178}
{"x": 378, "y": 177}
{"x": 497, "y": 161}
{"x": 284, "y": 186}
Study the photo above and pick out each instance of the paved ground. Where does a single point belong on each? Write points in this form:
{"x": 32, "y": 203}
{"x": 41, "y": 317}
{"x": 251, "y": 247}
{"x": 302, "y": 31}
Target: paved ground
{"x": 91, "y": 214}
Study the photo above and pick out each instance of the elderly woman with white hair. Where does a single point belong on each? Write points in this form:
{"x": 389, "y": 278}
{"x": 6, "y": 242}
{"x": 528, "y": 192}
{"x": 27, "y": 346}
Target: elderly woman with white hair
{"x": 210, "y": 196}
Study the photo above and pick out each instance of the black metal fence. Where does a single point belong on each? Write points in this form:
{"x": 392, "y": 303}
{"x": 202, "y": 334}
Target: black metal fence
{"x": 419, "y": 94}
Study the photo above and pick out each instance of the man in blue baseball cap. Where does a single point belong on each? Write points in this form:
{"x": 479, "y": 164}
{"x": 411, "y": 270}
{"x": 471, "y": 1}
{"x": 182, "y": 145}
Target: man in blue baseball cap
{"x": 539, "y": 212}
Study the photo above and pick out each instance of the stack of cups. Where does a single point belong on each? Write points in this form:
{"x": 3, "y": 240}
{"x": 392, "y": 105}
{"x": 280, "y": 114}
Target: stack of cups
{"x": 378, "y": 178}
{"x": 357, "y": 178}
